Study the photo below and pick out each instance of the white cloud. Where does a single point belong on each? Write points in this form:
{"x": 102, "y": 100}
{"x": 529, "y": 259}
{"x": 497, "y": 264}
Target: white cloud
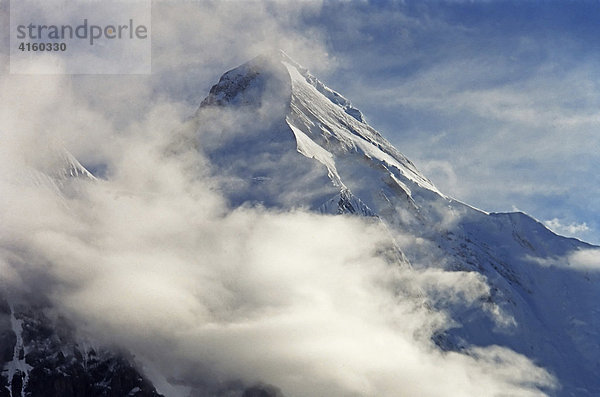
{"x": 570, "y": 229}
{"x": 443, "y": 175}
{"x": 581, "y": 259}
{"x": 588, "y": 259}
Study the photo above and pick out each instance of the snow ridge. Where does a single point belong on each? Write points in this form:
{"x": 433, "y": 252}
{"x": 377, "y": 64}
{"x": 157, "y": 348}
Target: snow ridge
{"x": 322, "y": 114}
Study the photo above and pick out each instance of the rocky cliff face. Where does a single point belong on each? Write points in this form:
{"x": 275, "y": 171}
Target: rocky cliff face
{"x": 42, "y": 356}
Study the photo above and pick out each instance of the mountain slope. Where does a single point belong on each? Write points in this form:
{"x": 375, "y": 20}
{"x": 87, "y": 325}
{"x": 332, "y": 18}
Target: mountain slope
{"x": 297, "y": 143}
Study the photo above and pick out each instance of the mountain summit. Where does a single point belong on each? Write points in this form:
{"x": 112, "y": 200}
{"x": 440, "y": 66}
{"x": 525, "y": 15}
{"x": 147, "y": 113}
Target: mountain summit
{"x": 292, "y": 112}
{"x": 302, "y": 144}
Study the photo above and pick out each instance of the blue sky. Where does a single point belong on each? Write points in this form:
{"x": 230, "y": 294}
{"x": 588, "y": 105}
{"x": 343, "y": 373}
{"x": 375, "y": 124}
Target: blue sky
{"x": 497, "y": 102}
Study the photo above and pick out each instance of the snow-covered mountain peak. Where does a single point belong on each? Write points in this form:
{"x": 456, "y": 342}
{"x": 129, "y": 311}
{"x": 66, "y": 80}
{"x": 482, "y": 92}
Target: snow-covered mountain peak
{"x": 67, "y": 166}
{"x": 324, "y": 125}
{"x": 252, "y": 82}
{"x": 331, "y": 121}
{"x": 233, "y": 86}
{"x": 315, "y": 151}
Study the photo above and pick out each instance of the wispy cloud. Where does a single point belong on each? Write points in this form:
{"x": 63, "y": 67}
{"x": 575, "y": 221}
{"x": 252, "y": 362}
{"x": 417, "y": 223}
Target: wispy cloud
{"x": 586, "y": 259}
{"x": 570, "y": 229}
{"x": 581, "y": 260}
